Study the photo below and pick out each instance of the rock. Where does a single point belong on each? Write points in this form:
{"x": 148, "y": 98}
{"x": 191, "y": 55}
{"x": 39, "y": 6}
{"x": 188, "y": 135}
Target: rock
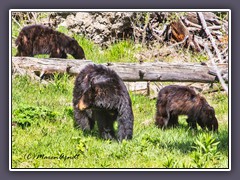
{"x": 101, "y": 27}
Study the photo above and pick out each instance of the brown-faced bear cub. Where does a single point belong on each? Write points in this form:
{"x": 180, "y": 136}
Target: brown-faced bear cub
{"x": 176, "y": 100}
{"x": 39, "y": 39}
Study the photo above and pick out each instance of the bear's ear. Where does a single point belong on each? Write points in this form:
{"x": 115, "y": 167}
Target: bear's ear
{"x": 92, "y": 82}
{"x": 202, "y": 99}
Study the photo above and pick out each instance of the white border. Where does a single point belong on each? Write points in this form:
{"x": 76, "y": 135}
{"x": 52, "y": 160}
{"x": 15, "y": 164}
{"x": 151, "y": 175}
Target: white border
{"x": 229, "y": 87}
{"x": 117, "y": 10}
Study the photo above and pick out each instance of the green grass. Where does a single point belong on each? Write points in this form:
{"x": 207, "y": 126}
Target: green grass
{"x": 44, "y": 131}
{"x": 122, "y": 51}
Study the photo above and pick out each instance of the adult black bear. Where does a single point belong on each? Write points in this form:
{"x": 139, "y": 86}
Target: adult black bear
{"x": 38, "y": 39}
{"x": 100, "y": 95}
{"x": 181, "y": 100}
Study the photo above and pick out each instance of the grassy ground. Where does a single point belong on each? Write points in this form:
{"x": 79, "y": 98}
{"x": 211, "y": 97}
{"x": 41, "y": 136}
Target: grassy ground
{"x": 43, "y": 135}
{"x": 43, "y": 130}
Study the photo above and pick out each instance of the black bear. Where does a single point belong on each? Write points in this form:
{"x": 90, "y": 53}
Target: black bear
{"x": 39, "y": 39}
{"x": 176, "y": 100}
{"x": 100, "y": 95}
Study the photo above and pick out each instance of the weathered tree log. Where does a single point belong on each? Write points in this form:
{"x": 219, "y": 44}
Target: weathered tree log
{"x": 157, "y": 71}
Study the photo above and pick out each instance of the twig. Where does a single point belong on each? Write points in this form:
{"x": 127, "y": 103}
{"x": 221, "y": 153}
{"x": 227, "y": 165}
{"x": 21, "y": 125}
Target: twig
{"x": 154, "y": 25}
{"x": 145, "y": 28}
{"x": 158, "y": 87}
{"x": 216, "y": 33}
{"x": 160, "y": 33}
{"x": 215, "y": 27}
{"x": 17, "y": 22}
{"x": 181, "y": 42}
{"x": 148, "y": 88}
{"x": 205, "y": 28}
{"x": 196, "y": 44}
{"x": 196, "y": 26}
{"x": 134, "y": 29}
{"x": 225, "y": 50}
{"x": 225, "y": 87}
{"x": 34, "y": 17}
{"x": 29, "y": 19}
{"x": 193, "y": 29}
{"x": 189, "y": 23}
{"x": 155, "y": 34}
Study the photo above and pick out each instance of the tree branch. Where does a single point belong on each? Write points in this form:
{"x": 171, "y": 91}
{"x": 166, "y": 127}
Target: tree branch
{"x": 205, "y": 28}
{"x": 225, "y": 87}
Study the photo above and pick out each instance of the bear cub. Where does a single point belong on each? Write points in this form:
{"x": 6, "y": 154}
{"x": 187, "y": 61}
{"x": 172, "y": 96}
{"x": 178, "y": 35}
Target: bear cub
{"x": 176, "y": 100}
{"x": 100, "y": 95}
{"x": 39, "y": 39}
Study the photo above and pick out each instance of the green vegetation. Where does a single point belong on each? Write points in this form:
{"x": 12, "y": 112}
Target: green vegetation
{"x": 43, "y": 135}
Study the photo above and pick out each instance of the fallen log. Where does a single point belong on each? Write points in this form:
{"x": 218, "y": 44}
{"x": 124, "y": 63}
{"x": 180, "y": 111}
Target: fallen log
{"x": 157, "y": 71}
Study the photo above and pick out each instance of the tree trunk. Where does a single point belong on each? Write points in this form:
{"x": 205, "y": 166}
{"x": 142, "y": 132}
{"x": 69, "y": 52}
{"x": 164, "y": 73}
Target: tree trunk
{"x": 157, "y": 71}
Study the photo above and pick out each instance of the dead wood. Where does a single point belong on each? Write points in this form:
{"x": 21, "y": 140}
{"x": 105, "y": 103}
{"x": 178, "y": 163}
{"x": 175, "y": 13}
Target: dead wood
{"x": 216, "y": 69}
{"x": 205, "y": 28}
{"x": 179, "y": 30}
{"x": 158, "y": 71}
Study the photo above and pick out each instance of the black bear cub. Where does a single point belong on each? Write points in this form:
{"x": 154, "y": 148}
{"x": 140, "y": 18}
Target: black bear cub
{"x": 100, "y": 95}
{"x": 176, "y": 100}
{"x": 39, "y": 39}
